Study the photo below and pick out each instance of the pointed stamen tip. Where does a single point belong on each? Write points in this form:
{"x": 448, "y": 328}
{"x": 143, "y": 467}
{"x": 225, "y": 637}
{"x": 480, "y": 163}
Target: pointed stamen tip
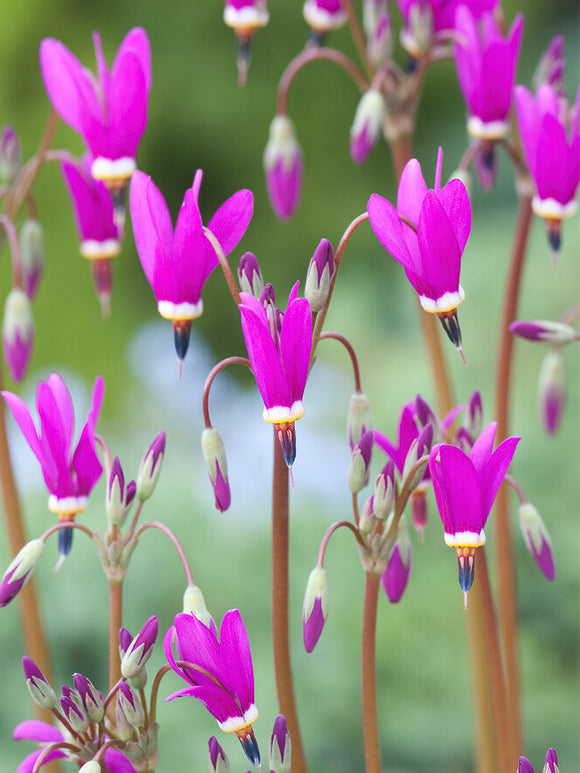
{"x": 59, "y": 563}
{"x": 464, "y": 599}
{"x": 179, "y": 368}
{"x": 242, "y": 73}
{"x": 554, "y": 236}
{"x": 105, "y": 307}
{"x": 291, "y": 471}
{"x": 250, "y": 747}
{"x": 460, "y": 350}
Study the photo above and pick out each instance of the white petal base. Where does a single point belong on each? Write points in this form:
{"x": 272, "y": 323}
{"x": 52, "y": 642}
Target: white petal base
{"x": 246, "y": 20}
{"x": 91, "y": 249}
{"x": 445, "y": 302}
{"x": 553, "y": 209}
{"x": 67, "y": 505}
{"x": 108, "y": 169}
{"x": 465, "y": 539}
{"x": 280, "y": 414}
{"x": 180, "y": 311}
{"x": 235, "y": 724}
{"x": 492, "y": 130}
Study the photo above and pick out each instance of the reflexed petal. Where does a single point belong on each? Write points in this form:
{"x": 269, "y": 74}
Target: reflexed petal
{"x": 231, "y": 221}
{"x": 265, "y": 360}
{"x": 440, "y": 253}
{"x": 127, "y": 104}
{"x": 459, "y": 483}
{"x": 197, "y": 644}
{"x": 492, "y": 98}
{"x": 483, "y": 446}
{"x": 117, "y": 762}
{"x": 35, "y": 730}
{"x": 152, "y": 229}
{"x": 136, "y": 40}
{"x": 296, "y": 346}
{"x": 440, "y": 490}
{"x": 494, "y": 471}
{"x": 27, "y": 764}
{"x": 192, "y": 256}
{"x": 551, "y": 159}
{"x": 24, "y": 420}
{"x": 529, "y": 123}
{"x": 455, "y": 201}
{"x": 218, "y": 702}
{"x": 237, "y": 658}
{"x": 389, "y": 231}
{"x": 412, "y": 190}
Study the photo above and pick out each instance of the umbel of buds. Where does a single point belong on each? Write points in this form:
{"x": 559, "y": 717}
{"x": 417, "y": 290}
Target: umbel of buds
{"x": 20, "y": 570}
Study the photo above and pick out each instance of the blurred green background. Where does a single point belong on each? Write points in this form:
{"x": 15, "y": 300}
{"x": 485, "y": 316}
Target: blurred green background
{"x": 200, "y": 118}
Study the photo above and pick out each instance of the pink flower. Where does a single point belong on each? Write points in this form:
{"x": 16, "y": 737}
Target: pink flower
{"x": 108, "y": 110}
{"x": 45, "y": 735}
{"x": 70, "y": 475}
{"x": 177, "y": 263}
{"x": 279, "y": 348}
{"x": 465, "y": 489}
{"x": 486, "y": 69}
{"x": 220, "y": 673}
{"x": 427, "y": 234}
{"x": 550, "y": 134}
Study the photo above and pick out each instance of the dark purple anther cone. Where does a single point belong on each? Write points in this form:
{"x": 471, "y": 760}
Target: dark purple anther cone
{"x": 250, "y": 746}
{"x": 287, "y": 436}
{"x": 554, "y": 235}
{"x": 451, "y": 327}
{"x": 466, "y": 570}
{"x": 181, "y": 331}
{"x": 65, "y": 540}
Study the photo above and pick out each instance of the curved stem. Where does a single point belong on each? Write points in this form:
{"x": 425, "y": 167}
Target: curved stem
{"x": 330, "y": 531}
{"x": 155, "y": 689}
{"x": 167, "y": 531}
{"x": 312, "y": 55}
{"x": 349, "y": 348}
{"x": 357, "y": 34}
{"x": 208, "y": 382}
{"x": 503, "y": 538}
{"x": 225, "y": 266}
{"x": 369, "y": 684}
{"x": 280, "y": 598}
{"x": 67, "y": 525}
{"x": 321, "y": 316}
{"x": 40, "y": 760}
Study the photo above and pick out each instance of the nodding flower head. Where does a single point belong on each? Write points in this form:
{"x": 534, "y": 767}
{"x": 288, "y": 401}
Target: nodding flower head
{"x": 279, "y": 353}
{"x": 427, "y": 234}
{"x": 465, "y": 489}
{"x": 245, "y": 17}
{"x": 178, "y": 262}
{"x": 486, "y": 65}
{"x": 70, "y": 474}
{"x": 109, "y": 109}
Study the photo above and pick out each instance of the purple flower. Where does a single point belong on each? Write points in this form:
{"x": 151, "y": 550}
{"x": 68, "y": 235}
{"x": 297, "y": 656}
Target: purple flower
{"x": 220, "y": 673}
{"x": 45, "y": 734}
{"x": 280, "y": 356}
{"x": 319, "y": 276}
{"x": 20, "y": 570}
{"x": 249, "y": 275}
{"x": 17, "y": 333}
{"x": 550, "y": 135}
{"x": 465, "y": 488}
{"x": 427, "y": 234}
{"x": 396, "y": 575}
{"x": 486, "y": 69}
{"x": 70, "y": 475}
{"x": 108, "y": 110}
{"x": 139, "y": 650}
{"x": 283, "y": 167}
{"x": 324, "y": 15}
{"x": 177, "y": 263}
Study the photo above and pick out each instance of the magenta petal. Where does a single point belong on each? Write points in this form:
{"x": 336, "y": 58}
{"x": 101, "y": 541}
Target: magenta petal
{"x": 494, "y": 471}
{"x": 412, "y": 190}
{"x": 136, "y": 40}
{"x": 218, "y": 702}
{"x": 296, "y": 346}
{"x": 35, "y": 730}
{"x": 237, "y": 658}
{"x": 117, "y": 762}
{"x": 439, "y": 489}
{"x": 483, "y": 446}
{"x": 551, "y": 159}
{"x": 24, "y": 420}
{"x": 65, "y": 81}
{"x": 192, "y": 256}
{"x": 265, "y": 360}
{"x": 152, "y": 229}
{"x": 455, "y": 201}
{"x": 440, "y": 253}
{"x": 312, "y": 628}
{"x": 127, "y": 104}
{"x": 389, "y": 231}
{"x": 461, "y": 489}
{"x": 396, "y": 575}
{"x": 198, "y": 644}
{"x": 543, "y": 558}
{"x": 529, "y": 124}
{"x": 27, "y": 764}
{"x": 231, "y": 220}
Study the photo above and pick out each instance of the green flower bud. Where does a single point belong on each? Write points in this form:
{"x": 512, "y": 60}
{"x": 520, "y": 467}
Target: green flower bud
{"x": 194, "y": 602}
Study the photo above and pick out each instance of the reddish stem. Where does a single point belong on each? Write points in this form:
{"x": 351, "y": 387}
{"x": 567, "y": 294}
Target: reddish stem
{"x": 369, "y": 682}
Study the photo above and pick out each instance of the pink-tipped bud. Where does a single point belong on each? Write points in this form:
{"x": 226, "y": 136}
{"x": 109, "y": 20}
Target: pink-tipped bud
{"x": 367, "y": 125}
{"x": 214, "y": 455}
{"x": 75, "y": 715}
{"x": 552, "y": 390}
{"x": 218, "y": 761}
{"x": 17, "y": 333}
{"x": 417, "y": 34}
{"x": 249, "y": 275}
{"x": 283, "y": 167}
{"x": 31, "y": 240}
{"x": 550, "y": 69}
{"x": 150, "y": 468}
{"x": 358, "y": 472}
{"x": 419, "y": 447}
{"x": 10, "y": 155}
{"x": 551, "y": 764}
{"x": 425, "y": 413}
{"x": 91, "y": 698}
{"x": 280, "y": 756}
{"x": 524, "y": 766}
{"x": 377, "y": 25}
{"x": 20, "y": 570}
{"x": 537, "y": 539}
{"x": 131, "y": 705}
{"x": 359, "y": 419}
{"x": 315, "y": 610}
{"x": 38, "y": 686}
{"x": 118, "y": 499}
{"x": 544, "y": 331}
{"x": 194, "y": 603}
{"x": 396, "y": 575}
{"x": 385, "y": 488}
{"x": 125, "y": 640}
{"x": 140, "y": 649}
{"x": 319, "y": 276}
{"x": 474, "y": 415}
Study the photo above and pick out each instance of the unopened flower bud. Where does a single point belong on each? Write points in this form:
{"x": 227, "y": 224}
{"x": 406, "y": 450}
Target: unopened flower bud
{"x": 75, "y": 715}
{"x": 377, "y": 25}
{"x": 92, "y": 766}
{"x": 131, "y": 705}
{"x": 9, "y": 155}
{"x": 537, "y": 539}
{"x": 194, "y": 602}
{"x": 320, "y": 273}
{"x": 38, "y": 686}
{"x": 31, "y": 240}
{"x": 124, "y": 730}
{"x": 280, "y": 757}
{"x": 91, "y": 698}
{"x": 139, "y": 651}
{"x": 118, "y": 499}
{"x": 367, "y": 125}
{"x": 19, "y": 571}
{"x": 125, "y": 640}
{"x": 384, "y": 496}
{"x": 524, "y": 766}
{"x": 474, "y": 416}
{"x": 396, "y": 575}
{"x": 550, "y": 69}
{"x": 419, "y": 447}
{"x": 417, "y": 34}
{"x": 551, "y": 764}
{"x": 315, "y": 609}
{"x": 424, "y": 413}
{"x": 367, "y": 518}
{"x": 544, "y": 331}
{"x": 283, "y": 167}
{"x": 418, "y": 502}
{"x": 218, "y": 761}
{"x": 150, "y": 468}
{"x": 359, "y": 419}
{"x": 17, "y": 333}
{"x": 214, "y": 455}
{"x": 358, "y": 473}
{"x": 552, "y": 390}
{"x": 249, "y": 275}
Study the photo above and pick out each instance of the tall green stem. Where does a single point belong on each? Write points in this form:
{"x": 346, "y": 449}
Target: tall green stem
{"x": 503, "y": 539}
{"x": 280, "y": 598}
{"x": 369, "y": 682}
